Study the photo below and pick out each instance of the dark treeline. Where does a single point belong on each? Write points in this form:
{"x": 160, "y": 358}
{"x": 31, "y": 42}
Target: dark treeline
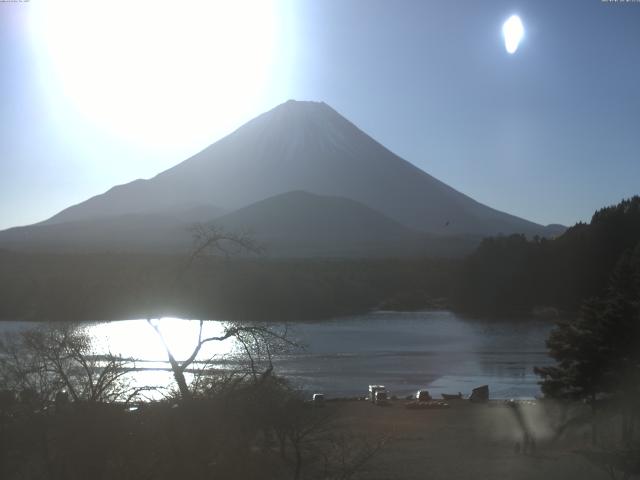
{"x": 513, "y": 274}
{"x": 597, "y": 353}
{"x": 505, "y": 275}
{"x": 119, "y": 286}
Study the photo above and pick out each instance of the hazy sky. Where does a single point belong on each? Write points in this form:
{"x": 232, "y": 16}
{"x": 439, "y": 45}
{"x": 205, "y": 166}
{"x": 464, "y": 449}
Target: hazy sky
{"x": 97, "y": 94}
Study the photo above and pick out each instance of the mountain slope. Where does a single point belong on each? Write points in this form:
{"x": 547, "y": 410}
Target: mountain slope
{"x": 304, "y": 146}
{"x": 293, "y": 224}
{"x": 137, "y": 232}
{"x": 303, "y": 224}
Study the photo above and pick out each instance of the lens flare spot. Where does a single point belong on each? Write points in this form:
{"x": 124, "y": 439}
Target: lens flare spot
{"x": 513, "y": 31}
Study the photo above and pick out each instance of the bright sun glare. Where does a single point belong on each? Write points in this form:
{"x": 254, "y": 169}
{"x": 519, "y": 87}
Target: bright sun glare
{"x": 513, "y": 31}
{"x": 136, "y": 339}
{"x": 144, "y": 70}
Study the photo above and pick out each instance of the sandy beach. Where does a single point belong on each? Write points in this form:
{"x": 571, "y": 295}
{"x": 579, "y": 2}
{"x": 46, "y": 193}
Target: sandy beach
{"x": 466, "y": 441}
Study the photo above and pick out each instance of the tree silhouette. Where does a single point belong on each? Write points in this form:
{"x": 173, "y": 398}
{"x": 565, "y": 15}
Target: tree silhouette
{"x": 598, "y": 354}
{"x": 513, "y": 274}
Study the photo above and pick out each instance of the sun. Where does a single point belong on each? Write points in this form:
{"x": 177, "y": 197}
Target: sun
{"x": 513, "y": 31}
{"x": 152, "y": 70}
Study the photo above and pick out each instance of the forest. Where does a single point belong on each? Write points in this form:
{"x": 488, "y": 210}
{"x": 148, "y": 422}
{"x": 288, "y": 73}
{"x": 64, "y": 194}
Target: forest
{"x": 512, "y": 274}
{"x": 506, "y": 275}
{"x": 119, "y": 286}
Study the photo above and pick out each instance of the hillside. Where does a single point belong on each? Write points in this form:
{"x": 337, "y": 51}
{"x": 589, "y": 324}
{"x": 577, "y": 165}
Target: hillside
{"x": 511, "y": 273}
{"x": 304, "y": 224}
{"x": 293, "y": 224}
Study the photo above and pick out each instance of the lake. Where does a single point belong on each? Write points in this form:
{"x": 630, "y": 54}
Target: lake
{"x": 437, "y": 350}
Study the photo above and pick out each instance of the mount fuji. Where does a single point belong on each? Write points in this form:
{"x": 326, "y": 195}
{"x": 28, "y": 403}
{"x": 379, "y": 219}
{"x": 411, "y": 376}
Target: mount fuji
{"x": 298, "y": 165}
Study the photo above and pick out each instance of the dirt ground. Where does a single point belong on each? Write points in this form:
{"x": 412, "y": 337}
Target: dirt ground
{"x": 467, "y": 441}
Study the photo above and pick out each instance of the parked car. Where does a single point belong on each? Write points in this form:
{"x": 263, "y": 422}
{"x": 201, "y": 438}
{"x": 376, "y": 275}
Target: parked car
{"x": 373, "y": 389}
{"x": 381, "y": 397}
{"x": 423, "y": 396}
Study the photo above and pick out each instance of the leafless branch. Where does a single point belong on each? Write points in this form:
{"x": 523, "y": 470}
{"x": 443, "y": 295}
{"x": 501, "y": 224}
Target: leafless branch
{"x": 209, "y": 239}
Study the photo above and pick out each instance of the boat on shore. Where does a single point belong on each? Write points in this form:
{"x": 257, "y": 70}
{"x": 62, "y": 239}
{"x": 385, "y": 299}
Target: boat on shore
{"x": 451, "y": 396}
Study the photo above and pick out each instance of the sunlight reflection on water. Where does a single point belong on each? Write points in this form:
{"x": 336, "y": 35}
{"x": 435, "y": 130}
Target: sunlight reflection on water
{"x": 137, "y": 339}
{"x": 405, "y": 351}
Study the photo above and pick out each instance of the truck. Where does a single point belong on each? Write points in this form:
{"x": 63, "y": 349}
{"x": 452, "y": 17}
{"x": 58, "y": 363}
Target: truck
{"x": 378, "y": 394}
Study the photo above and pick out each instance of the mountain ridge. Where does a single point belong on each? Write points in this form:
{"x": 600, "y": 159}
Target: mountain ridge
{"x": 289, "y": 225}
{"x": 310, "y": 147}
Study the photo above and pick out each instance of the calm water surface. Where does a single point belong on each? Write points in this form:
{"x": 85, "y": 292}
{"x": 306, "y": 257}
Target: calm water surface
{"x": 439, "y": 351}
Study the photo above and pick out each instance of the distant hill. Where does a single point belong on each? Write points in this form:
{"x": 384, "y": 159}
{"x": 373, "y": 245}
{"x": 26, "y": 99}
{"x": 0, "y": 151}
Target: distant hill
{"x": 297, "y": 146}
{"x": 119, "y": 233}
{"x": 303, "y": 224}
{"x": 293, "y": 224}
{"x": 513, "y": 273}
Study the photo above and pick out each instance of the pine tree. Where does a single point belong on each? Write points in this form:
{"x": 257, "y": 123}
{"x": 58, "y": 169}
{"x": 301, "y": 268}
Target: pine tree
{"x": 598, "y": 354}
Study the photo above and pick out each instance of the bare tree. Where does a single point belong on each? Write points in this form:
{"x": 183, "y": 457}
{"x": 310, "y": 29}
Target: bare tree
{"x": 258, "y": 342}
{"x": 314, "y": 444}
{"x": 212, "y": 240}
{"x": 57, "y": 359}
